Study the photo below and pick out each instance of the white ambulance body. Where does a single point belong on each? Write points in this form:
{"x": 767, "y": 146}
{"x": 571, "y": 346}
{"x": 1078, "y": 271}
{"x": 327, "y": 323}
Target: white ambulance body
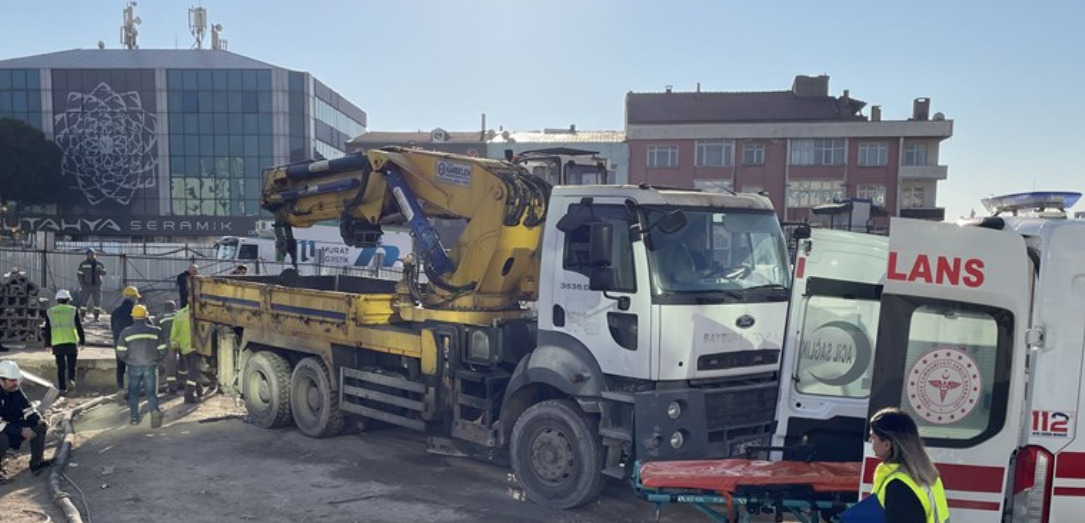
{"x": 980, "y": 338}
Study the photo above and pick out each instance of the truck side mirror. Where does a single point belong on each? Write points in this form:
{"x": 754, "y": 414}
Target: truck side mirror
{"x": 599, "y": 244}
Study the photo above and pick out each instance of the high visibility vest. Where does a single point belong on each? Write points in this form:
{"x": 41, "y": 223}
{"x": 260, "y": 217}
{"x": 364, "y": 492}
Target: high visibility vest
{"x": 181, "y": 332}
{"x": 933, "y": 497}
{"x": 62, "y": 324}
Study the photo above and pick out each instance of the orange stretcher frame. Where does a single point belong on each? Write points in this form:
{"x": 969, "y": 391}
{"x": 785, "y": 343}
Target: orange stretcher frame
{"x": 727, "y": 475}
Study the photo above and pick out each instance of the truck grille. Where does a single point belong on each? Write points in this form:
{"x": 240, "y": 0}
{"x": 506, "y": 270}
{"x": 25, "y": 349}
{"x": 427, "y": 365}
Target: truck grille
{"x": 741, "y": 406}
{"x": 731, "y": 360}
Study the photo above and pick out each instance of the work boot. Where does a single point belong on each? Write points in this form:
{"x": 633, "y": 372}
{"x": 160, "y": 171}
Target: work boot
{"x": 156, "y": 419}
{"x": 36, "y": 468}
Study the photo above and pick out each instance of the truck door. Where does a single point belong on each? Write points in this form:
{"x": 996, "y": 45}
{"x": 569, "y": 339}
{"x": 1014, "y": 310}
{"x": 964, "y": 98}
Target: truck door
{"x": 614, "y": 326}
{"x": 829, "y": 346}
{"x": 950, "y": 352}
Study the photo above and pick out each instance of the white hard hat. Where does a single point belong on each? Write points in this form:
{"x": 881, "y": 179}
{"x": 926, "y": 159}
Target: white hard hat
{"x": 9, "y": 370}
{"x": 63, "y": 294}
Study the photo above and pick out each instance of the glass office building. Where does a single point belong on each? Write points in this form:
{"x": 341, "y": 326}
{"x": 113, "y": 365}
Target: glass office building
{"x": 157, "y": 139}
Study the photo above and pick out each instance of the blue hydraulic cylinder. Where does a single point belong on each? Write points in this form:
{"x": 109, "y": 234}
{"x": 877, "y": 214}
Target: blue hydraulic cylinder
{"x": 430, "y": 242}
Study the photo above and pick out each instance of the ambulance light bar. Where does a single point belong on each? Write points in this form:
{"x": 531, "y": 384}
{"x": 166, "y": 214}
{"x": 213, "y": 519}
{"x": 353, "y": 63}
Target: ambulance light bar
{"x": 1031, "y": 201}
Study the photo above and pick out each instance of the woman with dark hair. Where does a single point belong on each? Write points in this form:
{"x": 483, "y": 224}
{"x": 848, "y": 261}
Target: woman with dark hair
{"x": 906, "y": 482}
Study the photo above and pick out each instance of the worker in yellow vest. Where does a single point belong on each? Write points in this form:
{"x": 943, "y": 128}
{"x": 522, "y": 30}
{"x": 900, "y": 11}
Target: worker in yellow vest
{"x": 906, "y": 482}
{"x": 63, "y": 334}
{"x": 181, "y": 340}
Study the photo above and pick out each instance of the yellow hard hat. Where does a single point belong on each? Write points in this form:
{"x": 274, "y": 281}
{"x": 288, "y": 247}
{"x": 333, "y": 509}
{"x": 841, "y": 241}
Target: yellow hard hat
{"x": 130, "y": 292}
{"x": 139, "y": 312}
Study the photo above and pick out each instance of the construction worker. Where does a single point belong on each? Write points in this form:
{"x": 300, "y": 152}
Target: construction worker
{"x": 90, "y": 274}
{"x": 184, "y": 281}
{"x": 141, "y": 348}
{"x": 181, "y": 340}
{"x": 119, "y": 320}
{"x": 170, "y": 363}
{"x": 64, "y": 334}
{"x": 19, "y": 421}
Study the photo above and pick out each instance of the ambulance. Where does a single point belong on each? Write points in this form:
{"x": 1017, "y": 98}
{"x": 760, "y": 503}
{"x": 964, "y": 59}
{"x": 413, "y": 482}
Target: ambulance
{"x": 980, "y": 337}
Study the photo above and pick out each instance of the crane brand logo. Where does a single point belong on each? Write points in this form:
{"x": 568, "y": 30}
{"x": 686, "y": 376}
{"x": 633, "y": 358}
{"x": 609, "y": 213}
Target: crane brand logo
{"x": 944, "y": 385}
{"x": 454, "y": 173}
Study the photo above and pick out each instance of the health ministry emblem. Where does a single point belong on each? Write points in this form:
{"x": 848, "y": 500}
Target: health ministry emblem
{"x": 109, "y": 144}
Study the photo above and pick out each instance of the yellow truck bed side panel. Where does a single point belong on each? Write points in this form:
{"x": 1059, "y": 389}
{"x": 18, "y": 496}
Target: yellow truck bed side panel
{"x": 358, "y": 320}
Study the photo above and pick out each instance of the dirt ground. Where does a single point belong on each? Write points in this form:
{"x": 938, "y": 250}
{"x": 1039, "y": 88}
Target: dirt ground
{"x": 206, "y": 464}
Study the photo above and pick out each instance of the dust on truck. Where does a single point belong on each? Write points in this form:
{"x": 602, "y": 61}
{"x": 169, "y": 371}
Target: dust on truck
{"x": 561, "y": 332}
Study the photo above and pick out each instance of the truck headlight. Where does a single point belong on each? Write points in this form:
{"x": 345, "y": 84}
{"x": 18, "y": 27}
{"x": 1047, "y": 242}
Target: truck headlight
{"x": 677, "y": 440}
{"x": 478, "y": 347}
{"x": 674, "y": 410}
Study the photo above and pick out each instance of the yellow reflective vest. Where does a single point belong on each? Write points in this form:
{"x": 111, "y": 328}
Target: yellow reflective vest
{"x": 181, "y": 332}
{"x": 62, "y": 324}
{"x": 930, "y": 497}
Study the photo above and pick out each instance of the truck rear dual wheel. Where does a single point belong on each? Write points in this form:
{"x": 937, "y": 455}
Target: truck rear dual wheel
{"x": 314, "y": 404}
{"x": 557, "y": 454}
{"x": 265, "y": 386}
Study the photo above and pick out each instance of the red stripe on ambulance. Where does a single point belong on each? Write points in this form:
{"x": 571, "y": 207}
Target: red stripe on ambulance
{"x": 965, "y": 478}
{"x": 1070, "y": 465}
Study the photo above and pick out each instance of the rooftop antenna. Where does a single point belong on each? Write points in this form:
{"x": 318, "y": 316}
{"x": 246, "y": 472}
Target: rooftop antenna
{"x": 128, "y": 30}
{"x": 197, "y": 25}
{"x": 217, "y": 42}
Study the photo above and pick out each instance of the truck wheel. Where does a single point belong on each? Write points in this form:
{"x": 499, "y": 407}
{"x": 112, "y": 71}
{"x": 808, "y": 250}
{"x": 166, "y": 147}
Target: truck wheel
{"x": 266, "y": 389}
{"x": 314, "y": 404}
{"x": 557, "y": 454}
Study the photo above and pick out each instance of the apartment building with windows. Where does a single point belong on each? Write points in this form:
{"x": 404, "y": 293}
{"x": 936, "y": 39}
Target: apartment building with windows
{"x": 802, "y": 147}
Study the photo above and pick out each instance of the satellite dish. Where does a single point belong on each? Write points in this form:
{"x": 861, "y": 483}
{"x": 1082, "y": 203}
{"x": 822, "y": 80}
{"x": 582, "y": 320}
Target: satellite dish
{"x": 938, "y": 117}
{"x": 101, "y": 44}
{"x": 137, "y": 20}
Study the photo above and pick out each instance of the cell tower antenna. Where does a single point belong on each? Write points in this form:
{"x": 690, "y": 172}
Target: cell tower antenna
{"x": 129, "y": 32}
{"x": 197, "y": 25}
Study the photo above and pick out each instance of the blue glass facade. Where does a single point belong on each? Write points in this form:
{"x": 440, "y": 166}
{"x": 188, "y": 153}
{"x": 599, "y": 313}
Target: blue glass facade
{"x": 20, "y": 96}
{"x": 220, "y": 137}
{"x": 187, "y": 134}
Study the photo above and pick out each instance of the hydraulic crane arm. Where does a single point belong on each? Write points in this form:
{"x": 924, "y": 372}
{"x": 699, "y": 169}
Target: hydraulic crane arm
{"x": 493, "y": 263}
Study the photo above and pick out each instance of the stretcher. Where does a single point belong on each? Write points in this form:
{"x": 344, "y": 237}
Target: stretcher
{"x": 731, "y": 490}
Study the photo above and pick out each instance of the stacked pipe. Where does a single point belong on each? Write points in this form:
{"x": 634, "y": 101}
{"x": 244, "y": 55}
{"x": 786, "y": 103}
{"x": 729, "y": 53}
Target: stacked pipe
{"x": 21, "y": 310}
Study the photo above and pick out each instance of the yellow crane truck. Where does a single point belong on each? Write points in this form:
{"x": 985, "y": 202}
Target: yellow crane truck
{"x": 568, "y": 330}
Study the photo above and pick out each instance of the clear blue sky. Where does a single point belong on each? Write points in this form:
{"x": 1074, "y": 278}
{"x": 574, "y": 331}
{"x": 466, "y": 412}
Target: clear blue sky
{"x": 1010, "y": 74}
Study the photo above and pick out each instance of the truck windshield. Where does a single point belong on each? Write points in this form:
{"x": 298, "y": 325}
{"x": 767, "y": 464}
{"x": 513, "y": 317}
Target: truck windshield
{"x": 734, "y": 254}
{"x": 226, "y": 249}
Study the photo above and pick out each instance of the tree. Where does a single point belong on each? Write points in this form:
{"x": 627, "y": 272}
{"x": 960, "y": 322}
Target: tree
{"x": 30, "y": 171}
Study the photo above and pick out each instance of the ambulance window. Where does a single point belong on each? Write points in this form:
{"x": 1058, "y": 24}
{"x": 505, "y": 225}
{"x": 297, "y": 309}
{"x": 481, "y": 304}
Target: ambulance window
{"x": 946, "y": 364}
{"x": 248, "y": 252}
{"x": 837, "y": 347}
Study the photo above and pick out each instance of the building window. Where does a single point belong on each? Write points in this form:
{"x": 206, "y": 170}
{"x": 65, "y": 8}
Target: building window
{"x": 753, "y": 154}
{"x": 662, "y": 156}
{"x": 873, "y": 154}
{"x": 915, "y": 154}
{"x": 829, "y": 151}
{"x": 913, "y": 197}
{"x": 810, "y": 193}
{"x": 874, "y": 193}
{"x": 717, "y": 185}
{"x": 714, "y": 153}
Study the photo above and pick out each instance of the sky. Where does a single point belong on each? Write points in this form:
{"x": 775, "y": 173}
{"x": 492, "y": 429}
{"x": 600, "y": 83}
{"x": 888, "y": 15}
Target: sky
{"x": 1008, "y": 74}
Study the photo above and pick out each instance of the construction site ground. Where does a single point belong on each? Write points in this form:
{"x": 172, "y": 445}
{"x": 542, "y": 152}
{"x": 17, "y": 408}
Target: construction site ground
{"x": 207, "y": 464}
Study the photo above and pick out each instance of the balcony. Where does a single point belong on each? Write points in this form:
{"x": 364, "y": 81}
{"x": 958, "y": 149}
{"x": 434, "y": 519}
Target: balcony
{"x": 924, "y": 172}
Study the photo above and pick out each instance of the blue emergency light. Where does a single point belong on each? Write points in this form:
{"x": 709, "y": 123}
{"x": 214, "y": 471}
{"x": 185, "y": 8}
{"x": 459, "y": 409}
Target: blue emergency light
{"x": 1031, "y": 201}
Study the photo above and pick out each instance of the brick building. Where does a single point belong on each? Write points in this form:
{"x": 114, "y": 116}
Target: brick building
{"x": 803, "y": 147}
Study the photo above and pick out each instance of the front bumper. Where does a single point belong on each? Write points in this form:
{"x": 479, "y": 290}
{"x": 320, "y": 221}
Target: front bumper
{"x": 713, "y": 422}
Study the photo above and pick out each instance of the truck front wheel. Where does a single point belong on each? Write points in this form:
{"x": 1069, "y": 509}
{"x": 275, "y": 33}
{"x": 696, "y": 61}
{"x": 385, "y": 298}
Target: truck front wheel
{"x": 557, "y": 454}
{"x": 266, "y": 386}
{"x": 314, "y": 404}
